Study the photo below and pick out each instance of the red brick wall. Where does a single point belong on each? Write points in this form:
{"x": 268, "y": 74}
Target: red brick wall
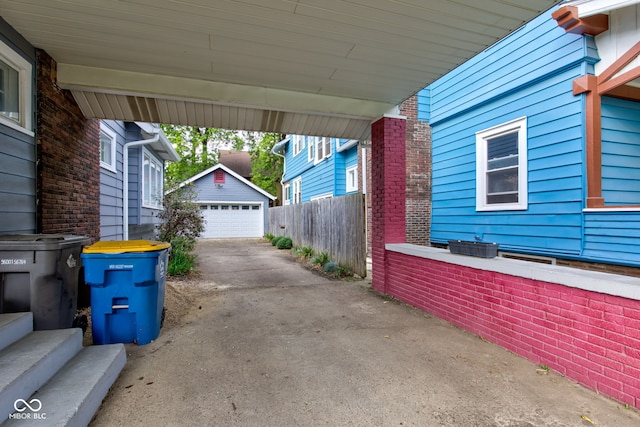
{"x": 418, "y": 158}
{"x": 68, "y": 159}
{"x": 388, "y": 178}
{"x": 590, "y": 337}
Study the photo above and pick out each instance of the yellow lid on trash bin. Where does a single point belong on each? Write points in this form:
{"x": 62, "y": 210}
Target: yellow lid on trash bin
{"x": 124, "y": 246}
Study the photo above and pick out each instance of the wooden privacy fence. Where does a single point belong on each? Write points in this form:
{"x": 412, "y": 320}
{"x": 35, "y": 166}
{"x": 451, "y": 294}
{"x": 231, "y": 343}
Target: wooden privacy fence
{"x": 336, "y": 225}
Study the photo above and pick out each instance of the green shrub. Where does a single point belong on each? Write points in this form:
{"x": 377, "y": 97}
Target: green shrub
{"x": 181, "y": 260}
{"x": 268, "y": 236}
{"x": 284, "y": 243}
{"x": 331, "y": 267}
{"x": 321, "y": 259}
{"x": 275, "y": 240}
{"x": 304, "y": 251}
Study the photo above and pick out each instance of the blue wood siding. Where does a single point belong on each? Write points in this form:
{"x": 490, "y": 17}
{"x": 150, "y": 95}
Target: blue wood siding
{"x": 612, "y": 237}
{"x": 325, "y": 177}
{"x": 111, "y": 187}
{"x": 529, "y": 74}
{"x": 17, "y": 157}
{"x": 620, "y": 152}
{"x": 233, "y": 190}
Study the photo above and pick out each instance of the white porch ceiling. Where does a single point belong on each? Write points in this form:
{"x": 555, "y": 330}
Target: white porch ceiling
{"x": 316, "y": 67}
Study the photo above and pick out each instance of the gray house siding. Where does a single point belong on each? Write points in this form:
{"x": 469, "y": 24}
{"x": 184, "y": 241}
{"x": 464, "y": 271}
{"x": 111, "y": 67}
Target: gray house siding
{"x": 111, "y": 187}
{"x": 18, "y": 157}
{"x": 142, "y": 220}
{"x": 232, "y": 191}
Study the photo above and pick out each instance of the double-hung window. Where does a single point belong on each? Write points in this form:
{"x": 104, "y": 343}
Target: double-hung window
{"x": 107, "y": 148}
{"x": 322, "y": 148}
{"x": 352, "y": 179}
{"x": 152, "y": 181}
{"x": 296, "y": 190}
{"x": 298, "y": 144}
{"x": 501, "y": 167}
{"x": 15, "y": 90}
{"x": 286, "y": 193}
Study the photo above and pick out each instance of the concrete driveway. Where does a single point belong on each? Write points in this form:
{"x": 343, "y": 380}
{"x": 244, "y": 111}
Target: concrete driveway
{"x": 259, "y": 340}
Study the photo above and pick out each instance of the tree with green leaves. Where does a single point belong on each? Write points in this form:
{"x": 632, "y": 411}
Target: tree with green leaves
{"x": 266, "y": 167}
{"x": 198, "y": 149}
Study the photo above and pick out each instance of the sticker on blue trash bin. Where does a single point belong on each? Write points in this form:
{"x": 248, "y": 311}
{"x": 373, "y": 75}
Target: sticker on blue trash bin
{"x": 120, "y": 266}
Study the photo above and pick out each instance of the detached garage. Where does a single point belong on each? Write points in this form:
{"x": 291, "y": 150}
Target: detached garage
{"x": 231, "y": 206}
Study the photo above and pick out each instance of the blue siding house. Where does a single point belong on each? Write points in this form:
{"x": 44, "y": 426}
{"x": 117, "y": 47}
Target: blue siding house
{"x": 536, "y": 140}
{"x": 318, "y": 167}
{"x": 132, "y": 157}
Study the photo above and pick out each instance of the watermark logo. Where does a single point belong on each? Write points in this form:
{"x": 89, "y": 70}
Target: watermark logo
{"x": 28, "y": 410}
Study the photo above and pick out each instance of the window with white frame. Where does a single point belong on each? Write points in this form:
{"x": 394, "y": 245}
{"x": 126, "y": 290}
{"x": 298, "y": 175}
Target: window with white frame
{"x": 352, "y": 179}
{"x": 296, "y": 190}
{"x": 322, "y": 196}
{"x": 107, "y": 148}
{"x": 322, "y": 148}
{"x": 152, "y": 181}
{"x": 311, "y": 143}
{"x": 286, "y": 193}
{"x": 15, "y": 90}
{"x": 501, "y": 167}
{"x": 298, "y": 144}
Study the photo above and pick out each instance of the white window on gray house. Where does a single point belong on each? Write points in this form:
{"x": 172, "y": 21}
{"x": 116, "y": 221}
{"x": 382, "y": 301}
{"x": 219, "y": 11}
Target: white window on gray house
{"x": 298, "y": 144}
{"x": 152, "y": 181}
{"x": 15, "y": 90}
{"x": 296, "y": 190}
{"x": 352, "y": 179}
{"x": 107, "y": 148}
{"x": 501, "y": 167}
{"x": 286, "y": 194}
{"x": 323, "y": 148}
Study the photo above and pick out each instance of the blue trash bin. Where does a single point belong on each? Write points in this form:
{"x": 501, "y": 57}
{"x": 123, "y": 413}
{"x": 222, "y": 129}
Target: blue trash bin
{"x": 127, "y": 282}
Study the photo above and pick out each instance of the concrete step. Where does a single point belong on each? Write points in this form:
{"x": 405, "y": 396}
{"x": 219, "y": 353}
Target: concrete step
{"x": 30, "y": 362}
{"x": 75, "y": 393}
{"x": 14, "y": 326}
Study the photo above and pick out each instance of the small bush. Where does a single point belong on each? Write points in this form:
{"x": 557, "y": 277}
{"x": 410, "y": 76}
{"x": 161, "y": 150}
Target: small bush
{"x": 269, "y": 236}
{"x": 284, "y": 243}
{"x": 181, "y": 260}
{"x": 331, "y": 267}
{"x": 321, "y": 259}
{"x": 304, "y": 251}
{"x": 276, "y": 239}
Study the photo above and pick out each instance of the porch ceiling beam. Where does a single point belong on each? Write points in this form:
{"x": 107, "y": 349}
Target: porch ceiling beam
{"x": 104, "y": 80}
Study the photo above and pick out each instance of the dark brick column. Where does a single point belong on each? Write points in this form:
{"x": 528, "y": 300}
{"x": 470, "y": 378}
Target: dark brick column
{"x": 388, "y": 187}
{"x": 68, "y": 159}
{"x": 418, "y": 152}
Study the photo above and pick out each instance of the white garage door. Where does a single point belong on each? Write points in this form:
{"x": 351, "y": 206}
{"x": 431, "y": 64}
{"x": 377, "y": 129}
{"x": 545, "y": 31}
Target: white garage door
{"x": 225, "y": 220}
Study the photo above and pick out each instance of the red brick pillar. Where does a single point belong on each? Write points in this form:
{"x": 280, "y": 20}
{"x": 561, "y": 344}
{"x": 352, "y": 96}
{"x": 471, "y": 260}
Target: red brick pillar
{"x": 388, "y": 187}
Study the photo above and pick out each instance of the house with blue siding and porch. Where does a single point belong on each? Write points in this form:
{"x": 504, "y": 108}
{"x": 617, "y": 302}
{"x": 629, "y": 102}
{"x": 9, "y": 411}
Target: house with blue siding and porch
{"x": 132, "y": 160}
{"x": 318, "y": 167}
{"x": 536, "y": 140}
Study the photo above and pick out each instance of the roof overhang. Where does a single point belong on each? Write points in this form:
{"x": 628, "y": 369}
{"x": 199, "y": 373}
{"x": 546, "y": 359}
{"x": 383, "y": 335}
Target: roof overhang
{"x": 310, "y": 67}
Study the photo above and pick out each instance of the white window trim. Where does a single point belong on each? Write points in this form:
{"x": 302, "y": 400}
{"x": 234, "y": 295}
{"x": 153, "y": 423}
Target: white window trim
{"x": 518, "y": 125}
{"x": 322, "y": 144}
{"x": 298, "y": 144}
{"x": 112, "y": 135}
{"x": 352, "y": 169}
{"x": 322, "y": 196}
{"x": 296, "y": 196}
{"x": 160, "y": 165}
{"x": 310, "y": 148}
{"x": 25, "y": 97}
{"x": 286, "y": 194}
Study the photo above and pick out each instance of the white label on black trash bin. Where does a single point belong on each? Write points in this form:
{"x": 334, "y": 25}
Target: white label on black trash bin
{"x": 13, "y": 261}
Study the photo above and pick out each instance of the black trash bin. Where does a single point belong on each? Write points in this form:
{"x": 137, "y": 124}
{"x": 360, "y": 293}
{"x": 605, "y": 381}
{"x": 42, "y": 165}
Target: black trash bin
{"x": 39, "y": 273}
